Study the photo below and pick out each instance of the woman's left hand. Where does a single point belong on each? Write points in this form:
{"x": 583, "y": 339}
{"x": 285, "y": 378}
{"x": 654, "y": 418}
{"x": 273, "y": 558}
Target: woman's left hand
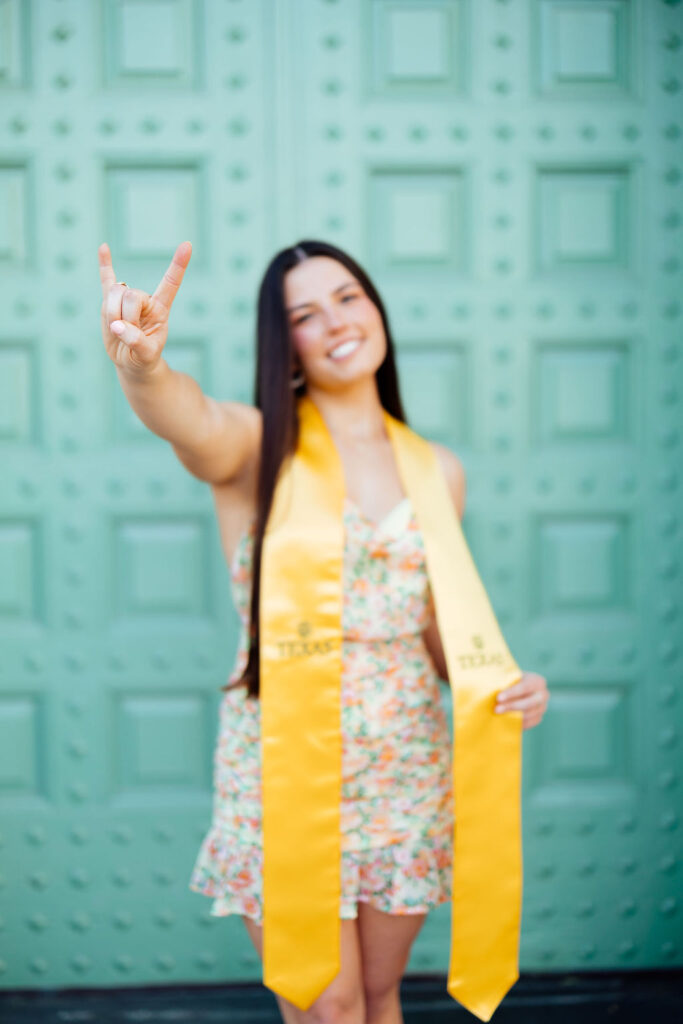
{"x": 529, "y": 695}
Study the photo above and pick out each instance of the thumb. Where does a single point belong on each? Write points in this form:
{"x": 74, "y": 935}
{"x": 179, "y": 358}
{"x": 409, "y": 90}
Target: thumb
{"x": 133, "y": 337}
{"x": 127, "y": 332}
{"x": 143, "y": 351}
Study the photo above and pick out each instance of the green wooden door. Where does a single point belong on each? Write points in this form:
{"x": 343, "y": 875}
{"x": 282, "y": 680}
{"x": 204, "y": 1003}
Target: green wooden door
{"x": 510, "y": 174}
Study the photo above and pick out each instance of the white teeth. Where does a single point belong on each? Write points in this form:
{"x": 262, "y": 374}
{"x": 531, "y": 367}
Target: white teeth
{"x": 344, "y": 350}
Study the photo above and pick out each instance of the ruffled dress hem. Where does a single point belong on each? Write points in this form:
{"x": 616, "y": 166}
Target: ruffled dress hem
{"x": 411, "y": 876}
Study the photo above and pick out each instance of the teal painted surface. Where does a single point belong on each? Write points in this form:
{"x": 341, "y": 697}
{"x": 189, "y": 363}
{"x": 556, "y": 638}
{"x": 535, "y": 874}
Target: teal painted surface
{"x": 509, "y": 173}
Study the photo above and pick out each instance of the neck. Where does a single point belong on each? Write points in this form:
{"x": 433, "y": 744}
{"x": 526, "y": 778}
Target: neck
{"x": 353, "y": 414}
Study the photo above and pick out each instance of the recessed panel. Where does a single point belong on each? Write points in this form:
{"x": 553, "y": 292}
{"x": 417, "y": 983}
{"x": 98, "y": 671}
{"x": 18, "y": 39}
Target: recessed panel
{"x": 148, "y": 42}
{"x": 583, "y": 49}
{"x": 583, "y": 565}
{"x": 582, "y": 219}
{"x": 588, "y": 746}
{"x": 22, "y": 573}
{"x": 582, "y": 392}
{"x": 15, "y": 217}
{"x": 415, "y": 48}
{"x": 152, "y": 206}
{"x": 160, "y": 742}
{"x": 15, "y": 44}
{"x": 19, "y": 394}
{"x": 416, "y": 219}
{"x": 160, "y": 568}
{"x": 23, "y": 746}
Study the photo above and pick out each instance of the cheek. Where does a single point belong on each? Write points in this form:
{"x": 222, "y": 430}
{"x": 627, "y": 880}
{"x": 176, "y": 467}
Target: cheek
{"x": 305, "y": 341}
{"x": 371, "y": 317}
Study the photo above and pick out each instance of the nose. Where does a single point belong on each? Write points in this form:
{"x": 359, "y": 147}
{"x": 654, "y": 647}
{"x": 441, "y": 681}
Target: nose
{"x": 335, "y": 318}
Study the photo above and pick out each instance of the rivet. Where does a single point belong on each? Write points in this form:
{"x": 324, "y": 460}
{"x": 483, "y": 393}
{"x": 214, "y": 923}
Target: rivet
{"x": 236, "y": 34}
{"x": 79, "y": 878}
{"x": 668, "y": 906}
{"x": 38, "y": 880}
{"x": 77, "y": 792}
{"x": 165, "y": 961}
{"x": 122, "y": 878}
{"x": 150, "y": 126}
{"x": 35, "y": 835}
{"x": 79, "y": 922}
{"x": 79, "y": 834}
{"x": 123, "y": 920}
{"x": 668, "y": 821}
{"x": 667, "y": 778}
{"x": 206, "y": 959}
{"x": 667, "y": 737}
{"x": 61, "y": 32}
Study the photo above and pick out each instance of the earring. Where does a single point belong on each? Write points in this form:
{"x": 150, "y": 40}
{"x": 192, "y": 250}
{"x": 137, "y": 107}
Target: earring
{"x": 296, "y": 382}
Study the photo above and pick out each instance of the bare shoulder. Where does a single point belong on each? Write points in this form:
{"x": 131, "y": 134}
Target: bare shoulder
{"x": 454, "y": 472}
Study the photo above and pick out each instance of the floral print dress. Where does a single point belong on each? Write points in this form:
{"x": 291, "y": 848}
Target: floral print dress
{"x": 397, "y": 799}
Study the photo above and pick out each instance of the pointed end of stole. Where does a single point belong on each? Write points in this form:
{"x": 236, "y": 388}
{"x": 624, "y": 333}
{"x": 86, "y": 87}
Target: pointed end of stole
{"x": 301, "y": 989}
{"x": 482, "y": 1006}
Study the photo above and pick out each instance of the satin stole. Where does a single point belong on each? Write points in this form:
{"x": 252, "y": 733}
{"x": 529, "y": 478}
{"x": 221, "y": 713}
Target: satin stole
{"x": 300, "y": 685}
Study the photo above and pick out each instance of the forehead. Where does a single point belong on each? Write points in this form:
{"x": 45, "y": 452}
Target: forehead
{"x": 316, "y": 277}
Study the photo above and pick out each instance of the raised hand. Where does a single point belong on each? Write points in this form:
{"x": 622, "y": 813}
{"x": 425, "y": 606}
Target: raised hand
{"x": 135, "y": 324}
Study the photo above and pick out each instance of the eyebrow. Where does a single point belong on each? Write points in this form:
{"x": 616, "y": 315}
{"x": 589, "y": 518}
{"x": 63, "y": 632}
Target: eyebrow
{"x": 346, "y": 284}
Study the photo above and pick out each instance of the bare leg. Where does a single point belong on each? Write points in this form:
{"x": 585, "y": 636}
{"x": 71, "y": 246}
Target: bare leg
{"x": 385, "y": 941}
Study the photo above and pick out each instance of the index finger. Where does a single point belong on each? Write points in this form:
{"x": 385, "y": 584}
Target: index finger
{"x": 167, "y": 289}
{"x": 107, "y": 275}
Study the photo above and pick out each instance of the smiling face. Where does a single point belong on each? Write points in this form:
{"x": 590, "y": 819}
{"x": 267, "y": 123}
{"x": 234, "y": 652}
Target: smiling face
{"x": 336, "y": 330}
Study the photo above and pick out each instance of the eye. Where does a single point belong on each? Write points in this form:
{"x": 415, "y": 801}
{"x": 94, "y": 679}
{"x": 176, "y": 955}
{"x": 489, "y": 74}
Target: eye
{"x": 307, "y": 316}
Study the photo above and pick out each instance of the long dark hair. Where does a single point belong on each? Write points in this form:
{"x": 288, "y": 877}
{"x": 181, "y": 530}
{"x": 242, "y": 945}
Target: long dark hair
{"x": 277, "y": 400}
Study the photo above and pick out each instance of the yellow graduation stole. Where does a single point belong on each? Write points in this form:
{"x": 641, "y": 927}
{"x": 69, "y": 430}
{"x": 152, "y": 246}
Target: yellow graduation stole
{"x": 300, "y": 686}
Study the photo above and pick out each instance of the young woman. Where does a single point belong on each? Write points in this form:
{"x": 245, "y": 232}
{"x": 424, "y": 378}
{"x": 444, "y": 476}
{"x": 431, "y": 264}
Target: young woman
{"x": 322, "y": 331}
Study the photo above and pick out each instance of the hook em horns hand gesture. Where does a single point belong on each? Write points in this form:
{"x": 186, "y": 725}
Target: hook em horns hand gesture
{"x": 135, "y": 324}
